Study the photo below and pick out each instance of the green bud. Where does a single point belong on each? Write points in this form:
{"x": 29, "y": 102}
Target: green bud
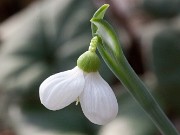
{"x": 89, "y": 62}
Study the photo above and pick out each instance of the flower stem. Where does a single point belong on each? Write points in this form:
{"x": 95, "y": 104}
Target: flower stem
{"x": 140, "y": 92}
{"x": 93, "y": 44}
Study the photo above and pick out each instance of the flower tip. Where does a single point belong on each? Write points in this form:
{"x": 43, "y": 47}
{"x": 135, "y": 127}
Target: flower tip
{"x": 94, "y": 20}
{"x": 106, "y": 5}
{"x": 91, "y": 19}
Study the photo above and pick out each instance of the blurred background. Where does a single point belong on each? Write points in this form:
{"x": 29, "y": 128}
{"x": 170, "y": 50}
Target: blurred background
{"x": 42, "y": 37}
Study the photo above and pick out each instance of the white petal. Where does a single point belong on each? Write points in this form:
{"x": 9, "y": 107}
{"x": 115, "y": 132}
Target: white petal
{"x": 61, "y": 89}
{"x": 98, "y": 101}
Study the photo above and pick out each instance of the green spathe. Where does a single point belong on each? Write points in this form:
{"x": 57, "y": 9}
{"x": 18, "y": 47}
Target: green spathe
{"x": 89, "y": 62}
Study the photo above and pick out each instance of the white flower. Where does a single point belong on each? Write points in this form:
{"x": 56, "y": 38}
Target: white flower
{"x": 96, "y": 97}
{"x": 83, "y": 83}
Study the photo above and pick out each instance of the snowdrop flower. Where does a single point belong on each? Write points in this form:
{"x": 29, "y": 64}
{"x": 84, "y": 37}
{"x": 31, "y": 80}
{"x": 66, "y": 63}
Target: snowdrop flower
{"x": 81, "y": 84}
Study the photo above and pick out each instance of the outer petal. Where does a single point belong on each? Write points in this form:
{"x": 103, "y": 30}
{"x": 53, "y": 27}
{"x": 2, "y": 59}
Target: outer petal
{"x": 98, "y": 101}
{"x": 61, "y": 89}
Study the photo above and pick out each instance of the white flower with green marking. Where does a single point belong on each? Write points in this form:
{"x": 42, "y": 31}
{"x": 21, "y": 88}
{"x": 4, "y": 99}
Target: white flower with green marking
{"x": 81, "y": 84}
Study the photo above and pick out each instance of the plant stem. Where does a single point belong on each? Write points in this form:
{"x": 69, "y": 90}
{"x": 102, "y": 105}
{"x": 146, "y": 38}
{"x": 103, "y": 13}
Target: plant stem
{"x": 140, "y": 92}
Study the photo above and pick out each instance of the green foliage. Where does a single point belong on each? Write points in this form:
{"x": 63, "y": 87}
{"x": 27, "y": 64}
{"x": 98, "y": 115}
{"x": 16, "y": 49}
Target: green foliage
{"x": 49, "y": 42}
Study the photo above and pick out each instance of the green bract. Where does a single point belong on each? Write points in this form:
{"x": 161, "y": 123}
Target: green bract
{"x": 89, "y": 62}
